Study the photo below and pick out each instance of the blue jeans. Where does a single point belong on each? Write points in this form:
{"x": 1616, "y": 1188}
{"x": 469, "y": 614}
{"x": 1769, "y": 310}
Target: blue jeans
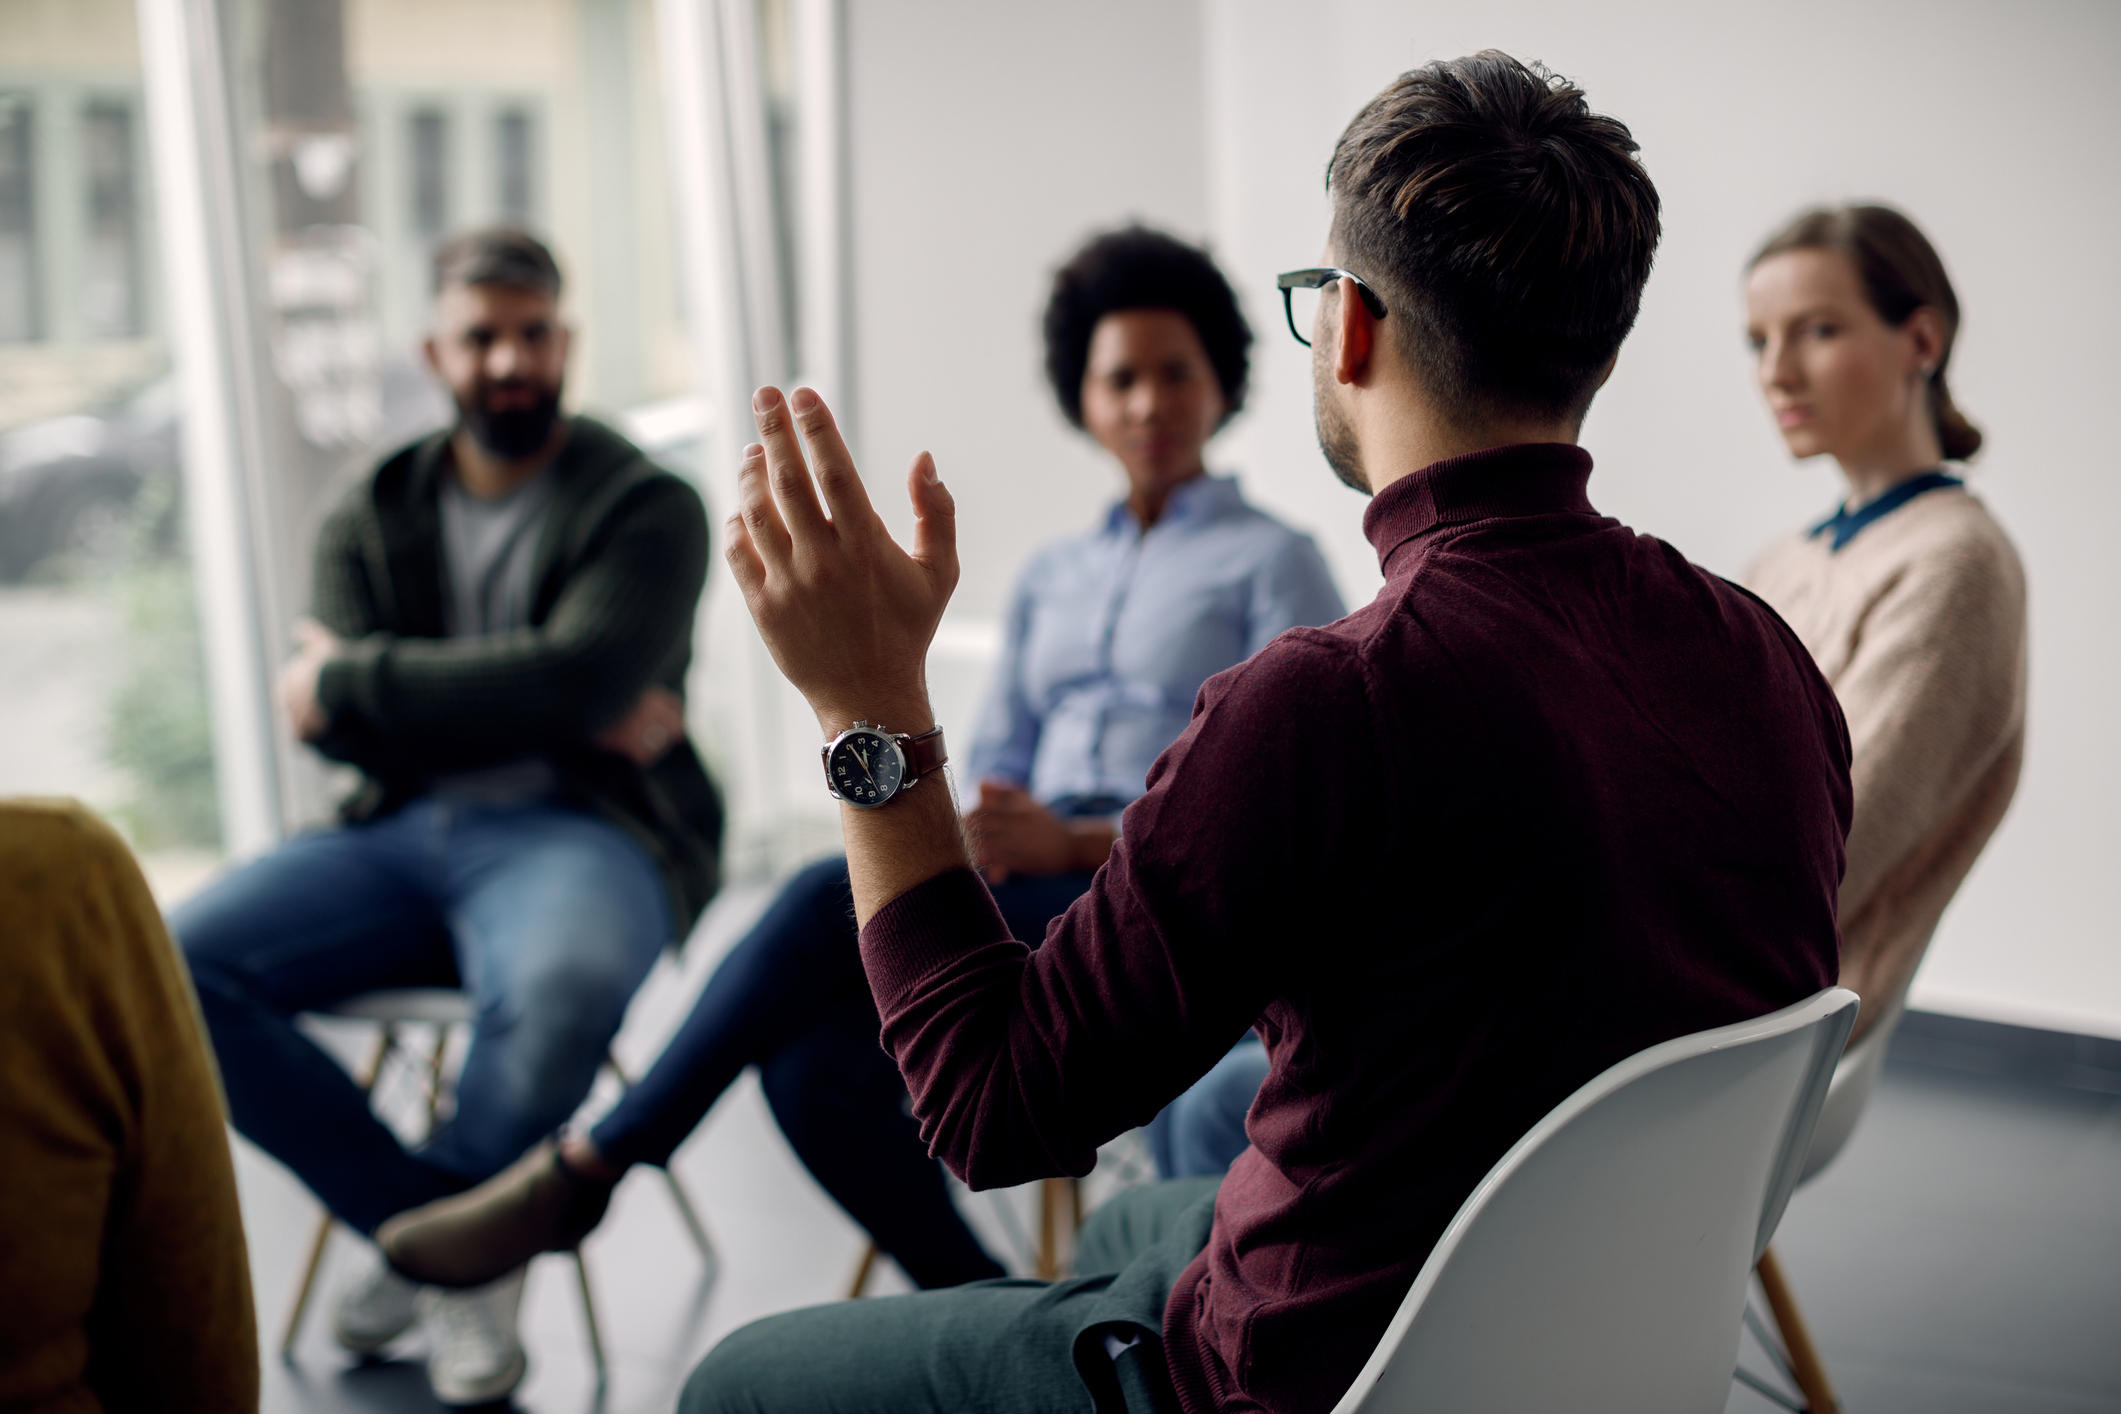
{"x": 791, "y": 998}
{"x": 1201, "y": 1133}
{"x": 548, "y": 917}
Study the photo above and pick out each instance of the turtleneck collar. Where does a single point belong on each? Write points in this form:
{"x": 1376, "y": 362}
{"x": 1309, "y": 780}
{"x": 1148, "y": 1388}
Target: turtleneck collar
{"x": 1532, "y": 478}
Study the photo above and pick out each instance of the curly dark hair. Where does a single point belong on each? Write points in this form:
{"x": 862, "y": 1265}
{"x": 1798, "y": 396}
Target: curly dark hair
{"x": 1139, "y": 268}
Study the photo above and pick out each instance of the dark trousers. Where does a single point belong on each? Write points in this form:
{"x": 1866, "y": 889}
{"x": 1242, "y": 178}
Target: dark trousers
{"x": 1003, "y": 1347}
{"x": 792, "y": 999}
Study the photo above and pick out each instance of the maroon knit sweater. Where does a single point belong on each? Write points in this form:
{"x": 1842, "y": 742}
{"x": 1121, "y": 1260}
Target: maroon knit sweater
{"x": 1554, "y": 796}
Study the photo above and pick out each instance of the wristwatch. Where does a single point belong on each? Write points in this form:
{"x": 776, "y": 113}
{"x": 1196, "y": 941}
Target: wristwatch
{"x": 869, "y": 766}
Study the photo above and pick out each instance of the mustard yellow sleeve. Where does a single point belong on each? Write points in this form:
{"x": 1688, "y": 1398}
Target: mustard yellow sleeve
{"x": 115, "y": 1134}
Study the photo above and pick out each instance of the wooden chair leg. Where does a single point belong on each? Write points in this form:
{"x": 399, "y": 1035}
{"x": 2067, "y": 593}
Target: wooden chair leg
{"x": 862, "y": 1272}
{"x": 434, "y": 1075}
{"x": 589, "y": 1315}
{"x": 309, "y": 1280}
{"x": 385, "y": 1038}
{"x": 1805, "y": 1366}
{"x": 686, "y": 1213}
{"x": 1052, "y": 1193}
{"x": 691, "y": 1219}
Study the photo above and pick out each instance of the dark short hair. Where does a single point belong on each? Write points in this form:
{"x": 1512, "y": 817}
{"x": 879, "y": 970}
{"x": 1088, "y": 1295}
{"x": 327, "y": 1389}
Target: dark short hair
{"x": 1508, "y": 228}
{"x": 497, "y": 255}
{"x": 1901, "y": 273}
{"x": 1138, "y": 268}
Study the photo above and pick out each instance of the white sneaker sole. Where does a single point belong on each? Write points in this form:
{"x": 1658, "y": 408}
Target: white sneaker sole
{"x": 370, "y": 1342}
{"x": 486, "y": 1391}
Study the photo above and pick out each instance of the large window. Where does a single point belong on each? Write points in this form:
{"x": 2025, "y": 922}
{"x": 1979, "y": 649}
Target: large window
{"x": 104, "y": 695}
{"x": 369, "y": 132}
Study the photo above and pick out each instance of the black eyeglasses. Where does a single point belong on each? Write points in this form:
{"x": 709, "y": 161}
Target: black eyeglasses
{"x": 1317, "y": 279}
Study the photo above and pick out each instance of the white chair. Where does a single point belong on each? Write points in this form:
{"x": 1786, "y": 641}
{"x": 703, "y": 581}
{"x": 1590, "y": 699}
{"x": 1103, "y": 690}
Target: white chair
{"x": 442, "y": 1009}
{"x": 1849, "y": 1092}
{"x": 1602, "y": 1263}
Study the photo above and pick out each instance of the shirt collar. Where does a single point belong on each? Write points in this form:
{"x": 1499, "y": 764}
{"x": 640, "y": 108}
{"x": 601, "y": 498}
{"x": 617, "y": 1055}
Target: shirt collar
{"x": 1203, "y": 498}
{"x": 1531, "y": 478}
{"x": 1845, "y": 525}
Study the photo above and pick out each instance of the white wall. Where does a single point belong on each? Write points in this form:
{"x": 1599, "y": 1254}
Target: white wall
{"x": 987, "y": 141}
{"x": 984, "y": 143}
{"x": 1995, "y": 126}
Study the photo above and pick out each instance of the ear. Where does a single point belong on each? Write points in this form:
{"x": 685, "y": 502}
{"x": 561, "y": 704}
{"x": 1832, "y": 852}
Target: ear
{"x": 431, "y": 355}
{"x": 1607, "y": 371}
{"x": 1355, "y": 334}
{"x": 566, "y": 333}
{"x": 1924, "y": 332}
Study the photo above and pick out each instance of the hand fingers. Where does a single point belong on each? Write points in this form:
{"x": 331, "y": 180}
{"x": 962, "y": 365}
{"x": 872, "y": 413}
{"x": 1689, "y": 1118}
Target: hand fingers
{"x": 786, "y": 471}
{"x": 666, "y": 716}
{"x": 845, "y": 495}
{"x": 935, "y": 521}
{"x": 1000, "y": 797}
{"x": 764, "y": 535}
{"x": 745, "y": 566}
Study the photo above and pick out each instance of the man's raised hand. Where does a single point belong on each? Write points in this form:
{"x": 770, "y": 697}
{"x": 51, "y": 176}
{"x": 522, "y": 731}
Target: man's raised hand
{"x": 846, "y": 613}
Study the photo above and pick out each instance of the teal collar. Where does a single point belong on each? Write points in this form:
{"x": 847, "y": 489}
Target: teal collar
{"x": 1845, "y": 525}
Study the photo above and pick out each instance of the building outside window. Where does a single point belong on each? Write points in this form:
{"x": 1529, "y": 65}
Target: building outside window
{"x": 110, "y": 258}
{"x": 430, "y": 173}
{"x": 514, "y": 160}
{"x": 20, "y": 319}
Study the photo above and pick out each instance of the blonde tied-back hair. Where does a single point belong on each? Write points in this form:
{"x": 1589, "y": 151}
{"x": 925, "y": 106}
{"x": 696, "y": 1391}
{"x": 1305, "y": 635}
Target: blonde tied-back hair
{"x": 1901, "y": 273}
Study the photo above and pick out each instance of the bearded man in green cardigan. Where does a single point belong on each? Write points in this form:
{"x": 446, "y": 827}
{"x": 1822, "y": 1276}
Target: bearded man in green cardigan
{"x": 502, "y": 621}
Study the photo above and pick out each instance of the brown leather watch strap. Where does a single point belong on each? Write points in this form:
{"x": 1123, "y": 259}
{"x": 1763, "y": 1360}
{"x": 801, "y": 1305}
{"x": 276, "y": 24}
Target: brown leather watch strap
{"x": 924, "y": 753}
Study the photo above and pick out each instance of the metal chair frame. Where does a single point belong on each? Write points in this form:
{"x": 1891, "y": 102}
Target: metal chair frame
{"x": 443, "y": 1010}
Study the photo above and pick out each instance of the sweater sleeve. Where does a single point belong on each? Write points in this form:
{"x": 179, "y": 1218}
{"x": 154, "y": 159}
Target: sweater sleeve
{"x": 343, "y": 600}
{"x": 623, "y": 619}
{"x": 120, "y": 1053}
{"x": 1932, "y": 696}
{"x": 1021, "y": 1062}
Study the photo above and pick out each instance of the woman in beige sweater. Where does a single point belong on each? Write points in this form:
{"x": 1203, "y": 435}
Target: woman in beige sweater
{"x": 1909, "y": 596}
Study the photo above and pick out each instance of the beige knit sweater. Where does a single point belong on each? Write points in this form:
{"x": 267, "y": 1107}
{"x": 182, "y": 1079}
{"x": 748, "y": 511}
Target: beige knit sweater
{"x": 1919, "y": 624}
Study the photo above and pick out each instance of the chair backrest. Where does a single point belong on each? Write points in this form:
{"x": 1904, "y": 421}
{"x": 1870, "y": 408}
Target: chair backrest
{"x": 1854, "y": 1079}
{"x": 1602, "y": 1263}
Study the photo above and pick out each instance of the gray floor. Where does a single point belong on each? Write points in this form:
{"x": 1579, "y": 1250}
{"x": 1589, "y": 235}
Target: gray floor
{"x": 1964, "y": 1254}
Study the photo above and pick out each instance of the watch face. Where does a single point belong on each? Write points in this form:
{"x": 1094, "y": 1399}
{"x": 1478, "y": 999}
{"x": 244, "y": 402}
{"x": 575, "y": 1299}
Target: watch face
{"x": 865, "y": 767}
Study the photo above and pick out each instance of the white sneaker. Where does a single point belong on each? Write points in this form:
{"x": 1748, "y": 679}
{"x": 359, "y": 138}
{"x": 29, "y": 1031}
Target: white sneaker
{"x": 375, "y": 1309}
{"x": 476, "y": 1357}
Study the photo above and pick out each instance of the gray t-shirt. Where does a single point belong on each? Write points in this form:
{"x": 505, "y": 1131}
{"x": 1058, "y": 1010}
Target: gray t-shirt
{"x": 489, "y": 548}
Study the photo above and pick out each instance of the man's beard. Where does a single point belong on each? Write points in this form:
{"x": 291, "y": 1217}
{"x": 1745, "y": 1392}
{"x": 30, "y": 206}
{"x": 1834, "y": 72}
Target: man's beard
{"x": 1335, "y": 438}
{"x": 510, "y": 433}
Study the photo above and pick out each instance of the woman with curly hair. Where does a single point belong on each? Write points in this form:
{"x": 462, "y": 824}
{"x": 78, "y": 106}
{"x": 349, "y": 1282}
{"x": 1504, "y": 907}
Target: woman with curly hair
{"x": 1107, "y": 639}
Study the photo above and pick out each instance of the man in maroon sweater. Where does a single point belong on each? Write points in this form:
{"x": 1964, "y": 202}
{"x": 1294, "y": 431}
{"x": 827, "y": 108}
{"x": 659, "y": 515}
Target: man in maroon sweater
{"x": 1554, "y": 796}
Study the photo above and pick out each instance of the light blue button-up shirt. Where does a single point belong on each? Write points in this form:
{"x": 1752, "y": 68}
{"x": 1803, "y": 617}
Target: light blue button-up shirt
{"x": 1111, "y": 634}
